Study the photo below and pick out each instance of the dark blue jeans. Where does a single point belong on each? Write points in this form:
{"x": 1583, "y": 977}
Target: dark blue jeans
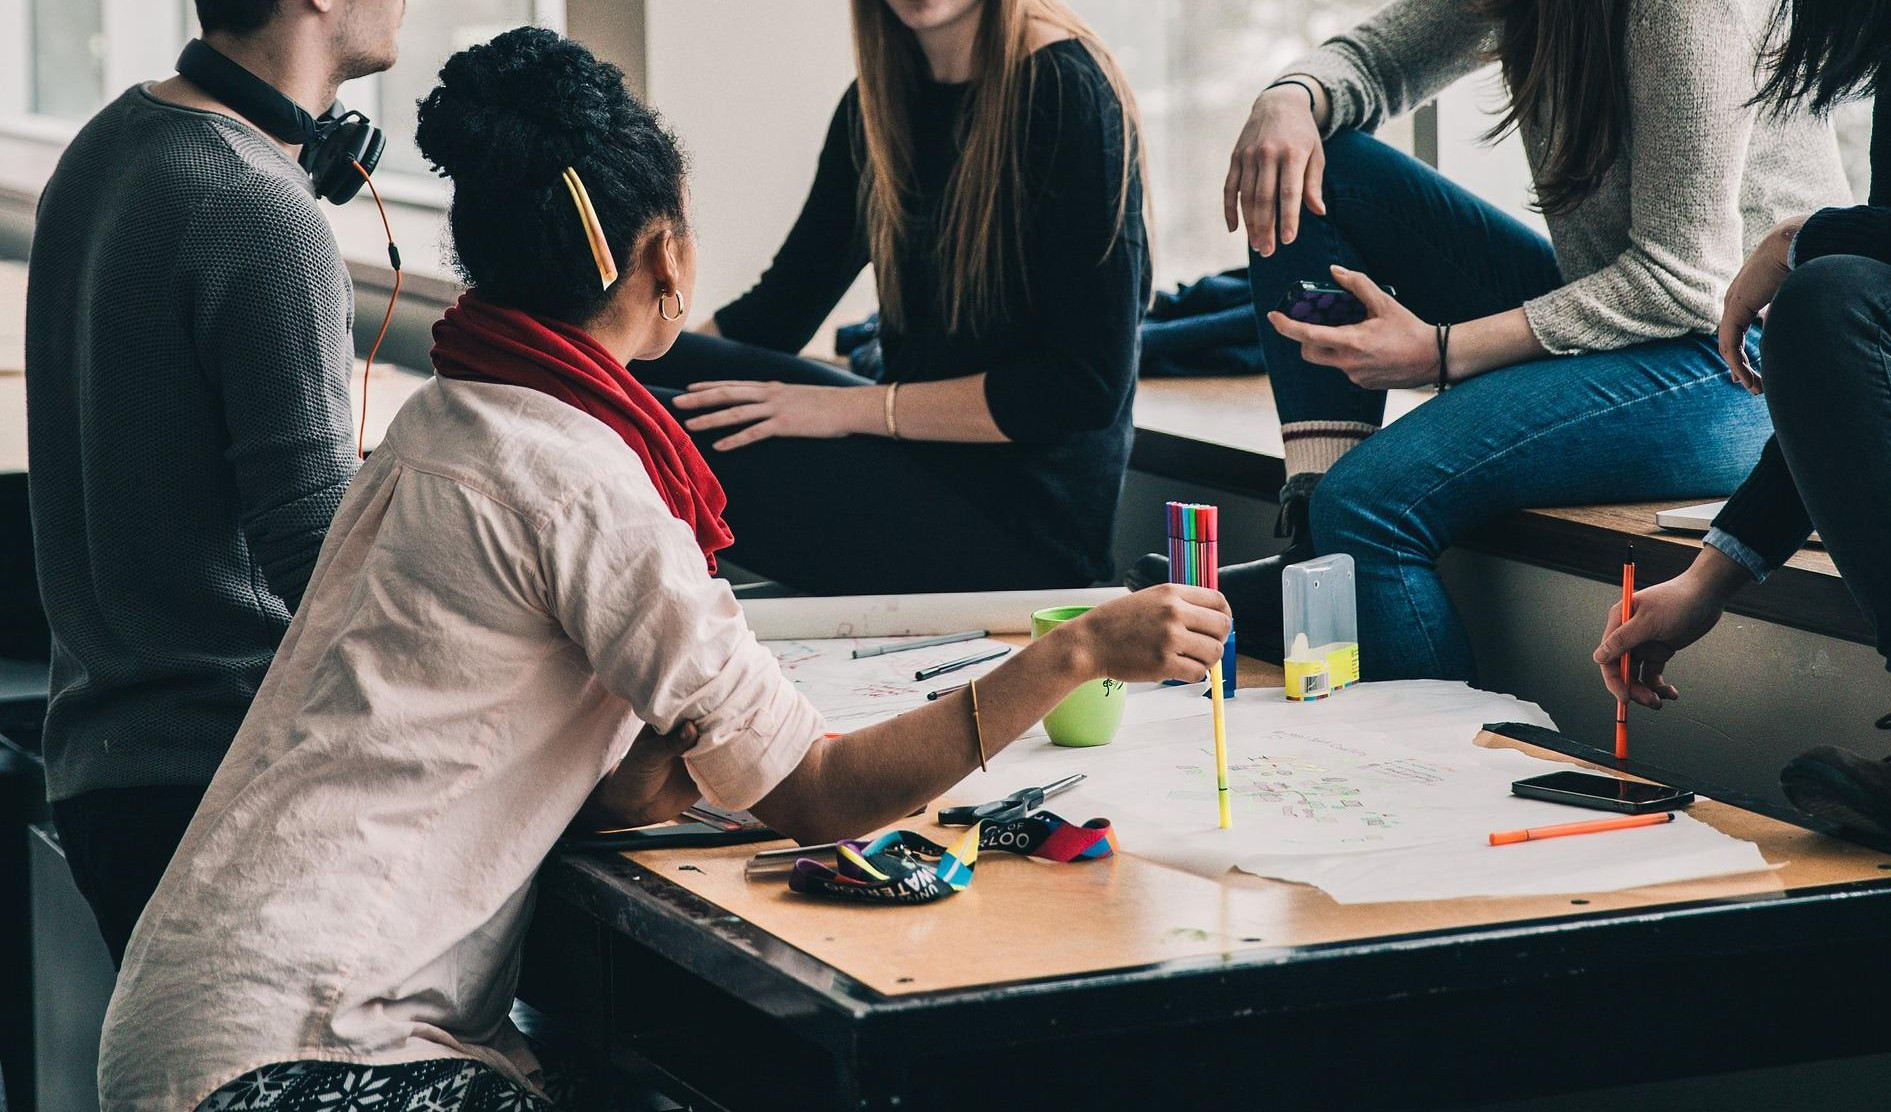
{"x": 1653, "y": 421}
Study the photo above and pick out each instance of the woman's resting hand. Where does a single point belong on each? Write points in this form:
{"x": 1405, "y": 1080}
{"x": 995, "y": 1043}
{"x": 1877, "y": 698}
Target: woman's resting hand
{"x": 777, "y": 409}
{"x": 649, "y": 785}
{"x": 1748, "y": 296}
{"x": 1278, "y": 163}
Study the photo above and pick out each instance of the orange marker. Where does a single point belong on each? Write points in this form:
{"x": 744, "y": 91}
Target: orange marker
{"x": 1628, "y": 611}
{"x": 1626, "y": 822}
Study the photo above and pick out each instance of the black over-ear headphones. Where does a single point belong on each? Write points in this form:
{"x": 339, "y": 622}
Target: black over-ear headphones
{"x": 331, "y": 144}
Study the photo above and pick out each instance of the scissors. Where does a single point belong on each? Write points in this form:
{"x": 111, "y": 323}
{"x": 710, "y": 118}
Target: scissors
{"x": 1009, "y": 809}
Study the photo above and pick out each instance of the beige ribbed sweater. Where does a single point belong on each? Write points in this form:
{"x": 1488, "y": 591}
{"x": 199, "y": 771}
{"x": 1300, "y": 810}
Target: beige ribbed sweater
{"x": 1700, "y": 179}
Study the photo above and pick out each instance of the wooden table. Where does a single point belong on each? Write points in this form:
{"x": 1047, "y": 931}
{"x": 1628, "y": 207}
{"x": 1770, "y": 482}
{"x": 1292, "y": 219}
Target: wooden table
{"x": 1123, "y": 984}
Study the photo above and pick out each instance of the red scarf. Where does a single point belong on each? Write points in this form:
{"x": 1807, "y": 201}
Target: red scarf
{"x": 482, "y": 342}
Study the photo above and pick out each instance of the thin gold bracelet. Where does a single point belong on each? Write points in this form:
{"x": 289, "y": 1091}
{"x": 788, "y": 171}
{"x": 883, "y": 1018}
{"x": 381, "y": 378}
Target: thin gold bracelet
{"x": 978, "y": 725}
{"x": 892, "y": 425}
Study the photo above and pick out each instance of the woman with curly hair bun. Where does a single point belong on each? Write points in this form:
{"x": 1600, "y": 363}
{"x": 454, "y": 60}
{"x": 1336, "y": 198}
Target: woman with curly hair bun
{"x": 513, "y": 628}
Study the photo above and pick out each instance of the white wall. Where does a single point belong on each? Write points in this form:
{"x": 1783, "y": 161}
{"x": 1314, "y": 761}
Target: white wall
{"x": 749, "y": 87}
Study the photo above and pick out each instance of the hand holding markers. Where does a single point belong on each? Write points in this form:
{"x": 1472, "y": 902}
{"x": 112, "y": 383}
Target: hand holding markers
{"x": 1114, "y": 639}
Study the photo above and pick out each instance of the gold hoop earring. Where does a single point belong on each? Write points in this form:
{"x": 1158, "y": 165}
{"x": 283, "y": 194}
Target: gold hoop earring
{"x": 679, "y": 306}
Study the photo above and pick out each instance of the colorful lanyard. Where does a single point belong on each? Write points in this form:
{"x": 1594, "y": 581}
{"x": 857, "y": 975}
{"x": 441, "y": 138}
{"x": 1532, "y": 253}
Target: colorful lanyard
{"x": 903, "y": 867}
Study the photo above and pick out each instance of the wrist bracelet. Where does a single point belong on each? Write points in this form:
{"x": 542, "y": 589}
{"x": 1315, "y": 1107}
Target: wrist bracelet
{"x": 1313, "y": 102}
{"x": 892, "y": 424}
{"x": 1444, "y": 349}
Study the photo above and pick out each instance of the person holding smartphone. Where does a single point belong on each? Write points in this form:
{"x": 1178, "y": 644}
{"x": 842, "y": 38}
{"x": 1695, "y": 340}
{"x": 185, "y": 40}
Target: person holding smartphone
{"x": 1573, "y": 369}
{"x": 1824, "y": 284}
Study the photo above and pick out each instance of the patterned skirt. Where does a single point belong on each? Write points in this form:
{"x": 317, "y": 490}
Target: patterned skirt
{"x": 434, "y": 1085}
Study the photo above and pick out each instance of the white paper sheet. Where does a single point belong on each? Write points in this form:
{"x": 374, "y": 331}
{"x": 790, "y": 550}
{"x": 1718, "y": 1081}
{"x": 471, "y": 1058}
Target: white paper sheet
{"x": 855, "y": 693}
{"x": 1377, "y": 794}
{"x": 776, "y": 619}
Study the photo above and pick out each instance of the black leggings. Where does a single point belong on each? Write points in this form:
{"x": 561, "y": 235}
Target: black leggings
{"x": 118, "y": 842}
{"x": 860, "y": 514}
{"x": 1827, "y": 364}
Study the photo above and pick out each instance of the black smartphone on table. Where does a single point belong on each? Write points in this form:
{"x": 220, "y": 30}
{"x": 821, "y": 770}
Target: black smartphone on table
{"x": 1602, "y": 793}
{"x": 1319, "y": 303}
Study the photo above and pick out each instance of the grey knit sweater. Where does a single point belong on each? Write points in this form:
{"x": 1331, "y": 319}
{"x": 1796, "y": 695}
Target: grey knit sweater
{"x": 1700, "y": 180}
{"x": 187, "y": 351}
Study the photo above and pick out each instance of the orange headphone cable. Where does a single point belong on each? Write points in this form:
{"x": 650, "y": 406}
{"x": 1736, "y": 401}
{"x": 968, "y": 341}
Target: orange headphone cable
{"x": 394, "y": 259}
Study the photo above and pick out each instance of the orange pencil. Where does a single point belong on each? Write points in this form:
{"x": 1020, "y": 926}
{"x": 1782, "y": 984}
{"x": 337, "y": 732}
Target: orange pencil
{"x": 1626, "y": 822}
{"x": 1628, "y": 611}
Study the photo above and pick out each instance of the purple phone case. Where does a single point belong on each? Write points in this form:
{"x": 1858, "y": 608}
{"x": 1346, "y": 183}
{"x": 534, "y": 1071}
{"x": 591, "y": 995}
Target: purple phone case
{"x": 1333, "y": 308}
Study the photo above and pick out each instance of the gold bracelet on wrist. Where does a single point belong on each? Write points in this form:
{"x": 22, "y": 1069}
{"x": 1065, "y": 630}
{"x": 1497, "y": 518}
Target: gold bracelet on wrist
{"x": 892, "y": 423}
{"x": 978, "y": 725}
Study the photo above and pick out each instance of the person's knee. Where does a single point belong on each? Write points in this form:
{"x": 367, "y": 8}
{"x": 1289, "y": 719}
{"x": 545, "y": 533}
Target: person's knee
{"x": 1354, "y": 156}
{"x": 1349, "y": 512}
{"x": 1825, "y": 327}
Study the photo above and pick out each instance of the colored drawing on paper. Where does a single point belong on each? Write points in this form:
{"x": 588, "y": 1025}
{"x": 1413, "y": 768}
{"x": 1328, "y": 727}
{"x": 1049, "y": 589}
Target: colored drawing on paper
{"x": 1337, "y": 795}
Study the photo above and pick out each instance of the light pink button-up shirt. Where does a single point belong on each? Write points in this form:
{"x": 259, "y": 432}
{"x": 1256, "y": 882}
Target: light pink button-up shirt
{"x": 501, "y": 605}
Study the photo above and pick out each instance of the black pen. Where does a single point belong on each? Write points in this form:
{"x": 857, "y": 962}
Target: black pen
{"x": 943, "y": 692}
{"x": 962, "y": 662}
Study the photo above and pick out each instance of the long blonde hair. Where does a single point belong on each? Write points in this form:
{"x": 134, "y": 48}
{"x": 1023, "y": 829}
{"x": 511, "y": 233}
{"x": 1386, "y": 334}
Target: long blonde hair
{"x": 981, "y": 234}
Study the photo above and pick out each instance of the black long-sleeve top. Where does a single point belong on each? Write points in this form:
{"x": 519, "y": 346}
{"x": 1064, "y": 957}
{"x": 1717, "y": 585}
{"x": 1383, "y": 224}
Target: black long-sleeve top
{"x": 1061, "y": 367}
{"x": 1765, "y": 520}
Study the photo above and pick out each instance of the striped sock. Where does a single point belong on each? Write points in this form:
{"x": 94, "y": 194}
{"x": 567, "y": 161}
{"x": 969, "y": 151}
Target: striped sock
{"x": 1313, "y": 447}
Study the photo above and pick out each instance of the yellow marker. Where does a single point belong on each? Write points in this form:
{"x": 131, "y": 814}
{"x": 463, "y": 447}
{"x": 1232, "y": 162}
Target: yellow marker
{"x": 1221, "y": 745}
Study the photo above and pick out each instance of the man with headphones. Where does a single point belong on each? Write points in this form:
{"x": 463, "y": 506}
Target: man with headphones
{"x": 189, "y": 340}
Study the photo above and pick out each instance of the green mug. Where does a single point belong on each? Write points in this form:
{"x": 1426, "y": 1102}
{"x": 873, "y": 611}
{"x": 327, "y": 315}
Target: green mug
{"x": 1090, "y": 714}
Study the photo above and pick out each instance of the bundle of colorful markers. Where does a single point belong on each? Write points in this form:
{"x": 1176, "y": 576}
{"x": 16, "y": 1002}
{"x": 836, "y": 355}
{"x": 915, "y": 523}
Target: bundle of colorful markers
{"x": 1193, "y": 558}
{"x": 1192, "y": 531}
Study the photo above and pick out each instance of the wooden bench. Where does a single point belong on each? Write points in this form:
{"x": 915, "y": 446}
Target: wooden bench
{"x": 1224, "y": 433}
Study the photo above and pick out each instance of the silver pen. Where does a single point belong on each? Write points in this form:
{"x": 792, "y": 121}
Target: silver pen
{"x": 922, "y": 643}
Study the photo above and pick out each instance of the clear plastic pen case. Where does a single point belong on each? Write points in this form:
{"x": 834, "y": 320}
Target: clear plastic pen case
{"x": 1320, "y": 627}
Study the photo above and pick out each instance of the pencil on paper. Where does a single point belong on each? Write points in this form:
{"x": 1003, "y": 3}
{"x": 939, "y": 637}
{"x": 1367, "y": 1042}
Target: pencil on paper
{"x": 922, "y": 643}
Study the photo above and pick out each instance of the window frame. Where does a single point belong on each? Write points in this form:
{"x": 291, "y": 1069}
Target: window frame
{"x": 141, "y": 39}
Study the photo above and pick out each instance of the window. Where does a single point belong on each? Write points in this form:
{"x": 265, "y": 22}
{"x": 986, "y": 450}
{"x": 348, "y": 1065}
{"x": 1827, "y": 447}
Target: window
{"x": 68, "y": 45}
{"x": 430, "y": 33}
{"x": 71, "y": 56}
{"x": 1196, "y": 66}
{"x": 61, "y": 60}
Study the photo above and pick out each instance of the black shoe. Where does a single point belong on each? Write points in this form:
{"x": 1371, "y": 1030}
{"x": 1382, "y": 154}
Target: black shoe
{"x": 1253, "y": 589}
{"x": 1841, "y": 787}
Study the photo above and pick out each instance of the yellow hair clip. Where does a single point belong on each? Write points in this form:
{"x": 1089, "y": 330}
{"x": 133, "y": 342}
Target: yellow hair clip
{"x": 593, "y": 231}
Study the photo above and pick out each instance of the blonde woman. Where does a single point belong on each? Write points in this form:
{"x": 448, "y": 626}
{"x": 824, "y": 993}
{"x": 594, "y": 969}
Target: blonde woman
{"x": 986, "y": 164}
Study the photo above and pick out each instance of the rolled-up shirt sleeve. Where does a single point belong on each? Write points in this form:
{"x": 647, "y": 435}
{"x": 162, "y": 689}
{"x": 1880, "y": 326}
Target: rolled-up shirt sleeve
{"x": 1765, "y": 521}
{"x": 626, "y": 580}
